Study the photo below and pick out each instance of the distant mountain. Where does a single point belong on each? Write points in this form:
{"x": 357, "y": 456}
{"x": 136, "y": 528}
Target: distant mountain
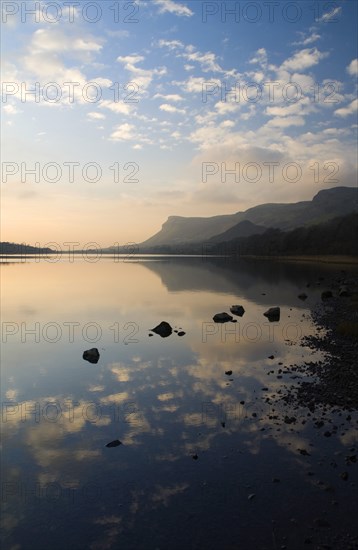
{"x": 337, "y": 236}
{"x": 326, "y": 205}
{"x": 241, "y": 229}
{"x": 16, "y": 248}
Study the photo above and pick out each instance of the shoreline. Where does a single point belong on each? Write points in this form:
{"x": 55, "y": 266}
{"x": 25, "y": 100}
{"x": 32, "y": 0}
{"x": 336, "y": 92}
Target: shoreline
{"x": 334, "y": 259}
{"x": 333, "y": 382}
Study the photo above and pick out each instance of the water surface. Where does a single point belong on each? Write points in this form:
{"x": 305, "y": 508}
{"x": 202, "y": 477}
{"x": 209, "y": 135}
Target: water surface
{"x": 167, "y": 400}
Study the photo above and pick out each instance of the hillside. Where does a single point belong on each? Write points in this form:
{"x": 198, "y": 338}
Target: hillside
{"x": 325, "y": 205}
{"x": 241, "y": 229}
{"x": 16, "y": 248}
{"x": 337, "y": 236}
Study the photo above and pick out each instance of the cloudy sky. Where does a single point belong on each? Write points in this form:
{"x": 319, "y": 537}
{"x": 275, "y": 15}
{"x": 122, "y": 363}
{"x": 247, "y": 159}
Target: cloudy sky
{"x": 119, "y": 114}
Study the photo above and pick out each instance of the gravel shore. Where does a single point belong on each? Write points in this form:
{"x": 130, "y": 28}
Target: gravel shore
{"x": 334, "y": 381}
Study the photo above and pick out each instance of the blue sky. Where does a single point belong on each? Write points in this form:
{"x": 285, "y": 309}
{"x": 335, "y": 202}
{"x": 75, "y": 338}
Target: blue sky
{"x": 161, "y": 118}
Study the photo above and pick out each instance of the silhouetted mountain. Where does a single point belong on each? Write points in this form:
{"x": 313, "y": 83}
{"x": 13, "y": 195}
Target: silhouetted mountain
{"x": 241, "y": 229}
{"x": 327, "y": 204}
{"x": 16, "y": 248}
{"x": 337, "y": 236}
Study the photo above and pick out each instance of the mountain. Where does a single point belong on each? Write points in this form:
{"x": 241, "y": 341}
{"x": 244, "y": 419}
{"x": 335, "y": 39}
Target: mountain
{"x": 16, "y": 248}
{"x": 337, "y": 236}
{"x": 241, "y": 229}
{"x": 325, "y": 205}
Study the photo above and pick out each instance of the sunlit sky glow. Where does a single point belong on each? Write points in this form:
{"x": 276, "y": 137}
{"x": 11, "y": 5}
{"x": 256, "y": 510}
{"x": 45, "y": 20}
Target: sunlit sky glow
{"x": 161, "y": 69}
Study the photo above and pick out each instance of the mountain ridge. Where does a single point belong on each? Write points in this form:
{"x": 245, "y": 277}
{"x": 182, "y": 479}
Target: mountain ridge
{"x": 325, "y": 205}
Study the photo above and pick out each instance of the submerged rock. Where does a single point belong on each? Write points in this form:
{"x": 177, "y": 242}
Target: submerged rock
{"x": 114, "y": 443}
{"x": 273, "y": 314}
{"x": 326, "y": 294}
{"x": 343, "y": 291}
{"x": 163, "y": 329}
{"x": 222, "y": 318}
{"x": 237, "y": 310}
{"x": 91, "y": 355}
{"x": 302, "y": 296}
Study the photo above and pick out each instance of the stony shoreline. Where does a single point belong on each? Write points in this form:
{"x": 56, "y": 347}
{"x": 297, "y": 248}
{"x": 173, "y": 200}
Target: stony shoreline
{"x": 334, "y": 381}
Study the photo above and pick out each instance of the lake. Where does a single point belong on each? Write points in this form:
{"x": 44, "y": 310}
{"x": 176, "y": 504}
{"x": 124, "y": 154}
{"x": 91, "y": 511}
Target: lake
{"x": 206, "y": 460}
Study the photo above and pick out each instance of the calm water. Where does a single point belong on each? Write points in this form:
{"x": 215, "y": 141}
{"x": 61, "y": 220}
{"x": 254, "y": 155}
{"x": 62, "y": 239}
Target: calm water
{"x": 165, "y": 399}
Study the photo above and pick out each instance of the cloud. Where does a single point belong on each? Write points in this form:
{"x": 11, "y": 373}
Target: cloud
{"x": 287, "y": 121}
{"x": 170, "y": 108}
{"x": 141, "y": 77}
{"x": 349, "y": 110}
{"x": 330, "y": 16}
{"x": 352, "y": 68}
{"x": 11, "y": 110}
{"x": 206, "y": 60}
{"x": 303, "y": 59}
{"x": 96, "y": 116}
{"x": 171, "y": 44}
{"x": 197, "y": 84}
{"x": 123, "y": 132}
{"x": 55, "y": 40}
{"x": 306, "y": 40}
{"x": 169, "y": 97}
{"x": 118, "y": 107}
{"x": 260, "y": 57}
{"x": 172, "y": 7}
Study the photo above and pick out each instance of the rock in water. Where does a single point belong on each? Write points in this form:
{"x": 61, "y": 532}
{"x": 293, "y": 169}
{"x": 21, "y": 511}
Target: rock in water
{"x": 302, "y": 296}
{"x": 91, "y": 355}
{"x": 114, "y": 443}
{"x": 273, "y": 314}
{"x": 222, "y": 318}
{"x": 326, "y": 294}
{"x": 163, "y": 329}
{"x": 237, "y": 310}
{"x": 343, "y": 291}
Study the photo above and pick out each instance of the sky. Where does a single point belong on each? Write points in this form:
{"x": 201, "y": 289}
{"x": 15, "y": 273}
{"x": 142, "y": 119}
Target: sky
{"x": 117, "y": 114}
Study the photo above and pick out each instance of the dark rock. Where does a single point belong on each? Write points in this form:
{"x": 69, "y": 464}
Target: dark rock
{"x": 195, "y": 457}
{"x": 303, "y": 452}
{"x": 114, "y": 443}
{"x": 237, "y": 310}
{"x": 222, "y": 318}
{"x": 327, "y": 434}
{"x": 326, "y": 294}
{"x": 271, "y": 357}
{"x": 163, "y": 329}
{"x": 273, "y": 314}
{"x": 290, "y": 419}
{"x": 302, "y": 296}
{"x": 344, "y": 476}
{"x": 343, "y": 291}
{"x": 91, "y": 355}
{"x": 181, "y": 333}
{"x": 228, "y": 372}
